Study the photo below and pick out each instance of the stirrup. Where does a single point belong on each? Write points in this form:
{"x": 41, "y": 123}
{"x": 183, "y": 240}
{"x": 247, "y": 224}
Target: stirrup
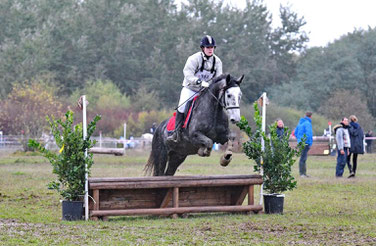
{"x": 174, "y": 137}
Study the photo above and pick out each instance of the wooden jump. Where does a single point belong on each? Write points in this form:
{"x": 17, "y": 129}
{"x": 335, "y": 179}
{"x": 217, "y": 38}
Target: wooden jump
{"x": 320, "y": 145}
{"x": 172, "y": 195}
{"x": 109, "y": 151}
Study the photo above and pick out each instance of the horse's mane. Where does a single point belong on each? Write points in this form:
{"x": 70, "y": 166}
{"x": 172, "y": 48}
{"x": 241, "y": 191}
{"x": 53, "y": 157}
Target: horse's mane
{"x": 219, "y": 78}
{"x": 214, "y": 85}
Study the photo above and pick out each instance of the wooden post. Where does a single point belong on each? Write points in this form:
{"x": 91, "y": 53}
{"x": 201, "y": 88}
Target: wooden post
{"x": 96, "y": 202}
{"x": 166, "y": 199}
{"x": 175, "y": 200}
{"x": 96, "y": 199}
{"x": 242, "y": 195}
{"x": 251, "y": 199}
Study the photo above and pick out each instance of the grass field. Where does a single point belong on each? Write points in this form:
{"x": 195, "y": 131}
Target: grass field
{"x": 322, "y": 210}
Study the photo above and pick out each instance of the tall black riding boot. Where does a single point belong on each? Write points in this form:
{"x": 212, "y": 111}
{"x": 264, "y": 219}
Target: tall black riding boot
{"x": 179, "y": 121}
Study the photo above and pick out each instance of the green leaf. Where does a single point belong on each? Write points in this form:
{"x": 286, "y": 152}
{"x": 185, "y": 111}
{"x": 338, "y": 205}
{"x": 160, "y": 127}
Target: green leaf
{"x": 277, "y": 157}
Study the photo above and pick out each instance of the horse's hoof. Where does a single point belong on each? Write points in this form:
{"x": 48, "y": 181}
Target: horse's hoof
{"x": 228, "y": 155}
{"x": 224, "y": 162}
{"x": 226, "y": 159}
{"x": 201, "y": 152}
{"x": 207, "y": 152}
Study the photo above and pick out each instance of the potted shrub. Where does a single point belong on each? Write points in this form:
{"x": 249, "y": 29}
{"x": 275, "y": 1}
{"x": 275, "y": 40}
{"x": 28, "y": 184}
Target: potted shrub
{"x": 69, "y": 162}
{"x": 276, "y": 160}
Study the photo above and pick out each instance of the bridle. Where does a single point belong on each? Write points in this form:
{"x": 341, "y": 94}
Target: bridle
{"x": 220, "y": 98}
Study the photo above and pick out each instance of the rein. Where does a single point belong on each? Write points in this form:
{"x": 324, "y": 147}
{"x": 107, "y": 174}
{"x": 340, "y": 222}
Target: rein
{"x": 219, "y": 102}
{"x": 216, "y": 98}
{"x": 201, "y": 90}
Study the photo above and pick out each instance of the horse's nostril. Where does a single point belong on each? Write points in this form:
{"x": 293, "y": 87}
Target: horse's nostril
{"x": 232, "y": 121}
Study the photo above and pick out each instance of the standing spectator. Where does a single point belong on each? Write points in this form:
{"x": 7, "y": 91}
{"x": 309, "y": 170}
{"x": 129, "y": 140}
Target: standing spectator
{"x": 343, "y": 145}
{"x": 326, "y": 132}
{"x": 304, "y": 130}
{"x": 153, "y": 127}
{"x": 369, "y": 142}
{"x": 280, "y": 128}
{"x": 356, "y": 141}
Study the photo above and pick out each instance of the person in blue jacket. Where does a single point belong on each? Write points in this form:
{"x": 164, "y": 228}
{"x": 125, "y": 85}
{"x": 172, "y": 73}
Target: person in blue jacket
{"x": 304, "y": 129}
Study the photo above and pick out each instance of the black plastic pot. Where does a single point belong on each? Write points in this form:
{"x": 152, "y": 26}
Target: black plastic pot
{"x": 273, "y": 203}
{"x": 73, "y": 210}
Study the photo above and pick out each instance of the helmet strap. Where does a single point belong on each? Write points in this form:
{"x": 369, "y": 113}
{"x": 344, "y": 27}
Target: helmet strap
{"x": 207, "y": 57}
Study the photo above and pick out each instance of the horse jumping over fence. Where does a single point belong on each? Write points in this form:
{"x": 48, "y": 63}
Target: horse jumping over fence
{"x": 209, "y": 122}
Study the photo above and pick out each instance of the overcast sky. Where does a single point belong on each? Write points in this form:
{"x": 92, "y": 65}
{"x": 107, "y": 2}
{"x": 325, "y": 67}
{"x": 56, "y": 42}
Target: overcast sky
{"x": 327, "y": 20}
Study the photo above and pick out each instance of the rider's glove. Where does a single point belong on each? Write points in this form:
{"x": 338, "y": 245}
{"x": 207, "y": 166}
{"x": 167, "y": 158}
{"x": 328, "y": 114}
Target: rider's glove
{"x": 204, "y": 84}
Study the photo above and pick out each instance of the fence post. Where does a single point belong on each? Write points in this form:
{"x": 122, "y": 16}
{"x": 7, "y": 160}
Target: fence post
{"x": 125, "y": 136}
{"x": 84, "y": 128}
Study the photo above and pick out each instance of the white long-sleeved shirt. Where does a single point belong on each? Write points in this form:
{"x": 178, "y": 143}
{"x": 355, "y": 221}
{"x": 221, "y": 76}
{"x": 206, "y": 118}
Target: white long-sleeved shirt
{"x": 193, "y": 65}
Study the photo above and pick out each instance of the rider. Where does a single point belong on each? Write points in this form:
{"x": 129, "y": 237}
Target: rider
{"x": 198, "y": 70}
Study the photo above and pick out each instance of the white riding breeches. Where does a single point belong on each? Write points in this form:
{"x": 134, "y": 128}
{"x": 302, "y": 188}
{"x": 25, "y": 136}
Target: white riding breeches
{"x": 185, "y": 94}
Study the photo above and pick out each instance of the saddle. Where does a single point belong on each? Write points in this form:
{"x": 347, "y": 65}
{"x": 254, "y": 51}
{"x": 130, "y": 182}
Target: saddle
{"x": 187, "y": 115}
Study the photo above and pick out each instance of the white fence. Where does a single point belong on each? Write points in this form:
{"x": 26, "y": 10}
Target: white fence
{"x": 15, "y": 142}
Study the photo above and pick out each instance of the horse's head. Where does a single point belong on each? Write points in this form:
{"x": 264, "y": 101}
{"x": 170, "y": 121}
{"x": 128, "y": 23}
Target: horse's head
{"x": 230, "y": 90}
{"x": 233, "y": 96}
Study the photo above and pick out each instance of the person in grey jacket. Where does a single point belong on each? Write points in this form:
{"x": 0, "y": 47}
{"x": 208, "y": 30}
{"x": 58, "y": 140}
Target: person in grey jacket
{"x": 199, "y": 69}
{"x": 357, "y": 143}
{"x": 343, "y": 145}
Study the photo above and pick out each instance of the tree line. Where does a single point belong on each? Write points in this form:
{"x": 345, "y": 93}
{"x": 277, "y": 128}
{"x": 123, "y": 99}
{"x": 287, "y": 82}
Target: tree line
{"x": 336, "y": 80}
{"x": 140, "y": 44}
{"x": 135, "y": 50}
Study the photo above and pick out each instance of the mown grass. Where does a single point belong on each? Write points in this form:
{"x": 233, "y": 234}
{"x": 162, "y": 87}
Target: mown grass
{"x": 322, "y": 210}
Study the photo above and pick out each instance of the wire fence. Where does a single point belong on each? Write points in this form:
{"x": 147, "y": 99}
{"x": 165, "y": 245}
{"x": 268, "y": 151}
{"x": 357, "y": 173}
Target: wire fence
{"x": 16, "y": 142}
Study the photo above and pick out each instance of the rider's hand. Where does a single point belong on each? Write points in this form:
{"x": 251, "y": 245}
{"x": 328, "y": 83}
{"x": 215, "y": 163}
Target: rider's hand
{"x": 204, "y": 84}
{"x": 342, "y": 152}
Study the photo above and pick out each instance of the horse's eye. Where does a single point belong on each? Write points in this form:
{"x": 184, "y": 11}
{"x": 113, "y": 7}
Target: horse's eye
{"x": 228, "y": 96}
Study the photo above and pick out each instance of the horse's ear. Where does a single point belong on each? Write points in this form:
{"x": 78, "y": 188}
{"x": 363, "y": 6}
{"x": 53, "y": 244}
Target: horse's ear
{"x": 240, "y": 79}
{"x": 228, "y": 78}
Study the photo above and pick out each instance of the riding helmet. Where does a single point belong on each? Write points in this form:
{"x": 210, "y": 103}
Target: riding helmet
{"x": 207, "y": 41}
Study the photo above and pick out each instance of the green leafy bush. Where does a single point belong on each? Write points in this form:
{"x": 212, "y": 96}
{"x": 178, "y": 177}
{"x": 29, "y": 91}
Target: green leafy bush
{"x": 69, "y": 163}
{"x": 277, "y": 158}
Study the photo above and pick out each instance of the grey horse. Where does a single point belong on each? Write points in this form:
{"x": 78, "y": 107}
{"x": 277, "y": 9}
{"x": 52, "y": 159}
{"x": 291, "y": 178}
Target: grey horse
{"x": 214, "y": 108}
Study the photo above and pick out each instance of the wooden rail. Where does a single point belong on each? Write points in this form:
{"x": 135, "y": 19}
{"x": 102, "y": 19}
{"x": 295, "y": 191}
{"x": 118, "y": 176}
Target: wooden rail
{"x": 172, "y": 195}
{"x": 109, "y": 151}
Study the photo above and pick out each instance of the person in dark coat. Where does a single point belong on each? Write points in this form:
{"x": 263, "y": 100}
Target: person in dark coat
{"x": 369, "y": 141}
{"x": 357, "y": 145}
{"x": 280, "y": 128}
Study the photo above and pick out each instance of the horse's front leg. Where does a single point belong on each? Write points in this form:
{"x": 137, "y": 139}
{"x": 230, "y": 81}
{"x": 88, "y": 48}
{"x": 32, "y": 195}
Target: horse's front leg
{"x": 204, "y": 143}
{"x": 227, "y": 156}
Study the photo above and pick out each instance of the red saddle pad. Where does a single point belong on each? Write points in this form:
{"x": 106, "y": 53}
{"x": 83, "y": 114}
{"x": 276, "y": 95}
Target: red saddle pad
{"x": 171, "y": 123}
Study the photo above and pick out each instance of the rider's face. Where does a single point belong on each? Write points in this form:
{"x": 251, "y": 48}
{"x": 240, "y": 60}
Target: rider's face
{"x": 209, "y": 51}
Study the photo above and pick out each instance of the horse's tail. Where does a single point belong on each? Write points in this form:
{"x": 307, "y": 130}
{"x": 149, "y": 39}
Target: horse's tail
{"x": 158, "y": 155}
{"x": 149, "y": 167}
